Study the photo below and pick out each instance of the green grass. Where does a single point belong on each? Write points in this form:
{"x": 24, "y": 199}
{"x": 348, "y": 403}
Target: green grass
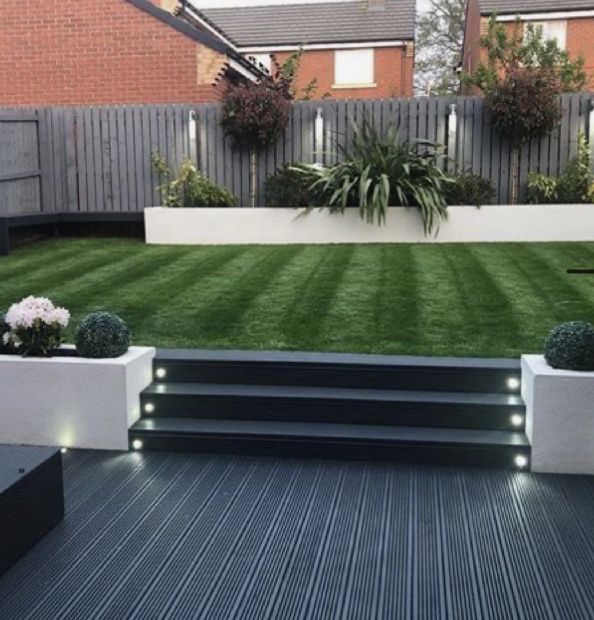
{"x": 472, "y": 299}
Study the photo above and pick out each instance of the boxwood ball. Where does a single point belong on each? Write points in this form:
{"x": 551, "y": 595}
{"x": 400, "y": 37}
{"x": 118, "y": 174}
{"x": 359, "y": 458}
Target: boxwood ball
{"x": 570, "y": 346}
{"x": 101, "y": 335}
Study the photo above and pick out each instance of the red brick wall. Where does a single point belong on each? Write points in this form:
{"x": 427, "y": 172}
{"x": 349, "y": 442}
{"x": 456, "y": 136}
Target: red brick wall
{"x": 393, "y": 72}
{"x": 580, "y": 39}
{"x": 472, "y": 35}
{"x": 71, "y": 52}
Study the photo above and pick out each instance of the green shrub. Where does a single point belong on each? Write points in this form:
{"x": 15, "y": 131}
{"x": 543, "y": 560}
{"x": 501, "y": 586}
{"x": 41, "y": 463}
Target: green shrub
{"x": 570, "y": 346}
{"x": 101, "y": 335}
{"x": 541, "y": 189}
{"x": 575, "y": 185}
{"x": 190, "y": 188}
{"x": 379, "y": 171}
{"x": 469, "y": 189}
{"x": 289, "y": 187}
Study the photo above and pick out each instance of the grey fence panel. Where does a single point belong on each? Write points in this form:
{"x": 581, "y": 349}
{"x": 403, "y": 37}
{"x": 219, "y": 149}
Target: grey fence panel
{"x": 24, "y": 161}
{"x": 96, "y": 159}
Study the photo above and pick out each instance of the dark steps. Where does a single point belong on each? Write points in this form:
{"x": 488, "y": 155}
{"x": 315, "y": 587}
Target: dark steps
{"x": 411, "y": 409}
{"x": 338, "y": 405}
{"x": 301, "y": 439}
{"x": 338, "y": 370}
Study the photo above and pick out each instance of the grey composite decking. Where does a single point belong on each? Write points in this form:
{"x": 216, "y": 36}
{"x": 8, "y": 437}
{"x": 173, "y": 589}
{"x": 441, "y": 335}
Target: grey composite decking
{"x": 189, "y": 536}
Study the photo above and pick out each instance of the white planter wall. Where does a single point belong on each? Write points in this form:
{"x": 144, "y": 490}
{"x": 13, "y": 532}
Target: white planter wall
{"x": 72, "y": 402}
{"x": 290, "y": 226}
{"x": 559, "y": 417}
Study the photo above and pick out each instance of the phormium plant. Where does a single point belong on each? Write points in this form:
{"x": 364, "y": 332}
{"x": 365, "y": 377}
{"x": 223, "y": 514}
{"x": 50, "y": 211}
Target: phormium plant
{"x": 378, "y": 171}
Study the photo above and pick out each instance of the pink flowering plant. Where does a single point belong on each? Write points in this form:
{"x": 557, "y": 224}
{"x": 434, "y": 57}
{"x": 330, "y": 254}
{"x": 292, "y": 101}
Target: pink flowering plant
{"x": 35, "y": 327}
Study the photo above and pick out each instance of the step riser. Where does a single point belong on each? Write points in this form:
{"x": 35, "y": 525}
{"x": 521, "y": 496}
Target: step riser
{"x": 497, "y": 457}
{"x": 349, "y": 376}
{"x": 432, "y": 414}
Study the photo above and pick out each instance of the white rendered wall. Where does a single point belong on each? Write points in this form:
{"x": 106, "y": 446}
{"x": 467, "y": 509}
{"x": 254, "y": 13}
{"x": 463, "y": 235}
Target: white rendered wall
{"x": 72, "y": 402}
{"x": 290, "y": 226}
{"x": 559, "y": 417}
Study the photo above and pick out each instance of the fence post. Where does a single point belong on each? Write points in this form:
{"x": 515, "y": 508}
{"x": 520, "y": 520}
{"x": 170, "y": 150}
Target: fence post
{"x": 452, "y": 137}
{"x": 319, "y": 137}
{"x": 591, "y": 133}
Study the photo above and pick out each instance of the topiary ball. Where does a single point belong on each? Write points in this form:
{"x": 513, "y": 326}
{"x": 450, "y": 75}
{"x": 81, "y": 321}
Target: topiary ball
{"x": 102, "y": 334}
{"x": 570, "y": 346}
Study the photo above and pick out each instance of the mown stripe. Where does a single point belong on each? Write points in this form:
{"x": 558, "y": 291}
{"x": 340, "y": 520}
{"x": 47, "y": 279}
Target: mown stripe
{"x": 223, "y": 318}
{"x": 314, "y": 297}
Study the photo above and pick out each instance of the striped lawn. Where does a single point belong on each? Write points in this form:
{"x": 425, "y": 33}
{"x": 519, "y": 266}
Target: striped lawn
{"x": 471, "y": 299}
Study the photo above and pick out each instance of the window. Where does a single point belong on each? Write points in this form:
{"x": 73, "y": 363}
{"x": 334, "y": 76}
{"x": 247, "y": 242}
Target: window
{"x": 554, "y": 30}
{"x": 353, "y": 67}
{"x": 262, "y": 59}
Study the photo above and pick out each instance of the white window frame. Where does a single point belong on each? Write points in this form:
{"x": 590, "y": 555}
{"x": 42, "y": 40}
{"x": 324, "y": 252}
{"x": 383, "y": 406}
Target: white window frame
{"x": 553, "y": 29}
{"x": 346, "y": 72}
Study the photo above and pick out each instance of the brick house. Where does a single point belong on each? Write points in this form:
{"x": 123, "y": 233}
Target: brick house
{"x": 570, "y": 22}
{"x": 78, "y": 52}
{"x": 354, "y": 50}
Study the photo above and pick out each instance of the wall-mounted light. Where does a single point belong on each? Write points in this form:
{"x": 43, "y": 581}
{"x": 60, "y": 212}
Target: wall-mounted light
{"x": 319, "y": 137}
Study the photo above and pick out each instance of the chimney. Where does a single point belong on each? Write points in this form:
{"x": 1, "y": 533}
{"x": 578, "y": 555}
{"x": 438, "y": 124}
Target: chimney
{"x": 376, "y": 5}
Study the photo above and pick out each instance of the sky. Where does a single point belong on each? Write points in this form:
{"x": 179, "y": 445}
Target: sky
{"x": 421, "y": 4}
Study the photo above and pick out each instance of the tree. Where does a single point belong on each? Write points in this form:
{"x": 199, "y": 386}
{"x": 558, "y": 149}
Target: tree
{"x": 440, "y": 37}
{"x": 521, "y": 80}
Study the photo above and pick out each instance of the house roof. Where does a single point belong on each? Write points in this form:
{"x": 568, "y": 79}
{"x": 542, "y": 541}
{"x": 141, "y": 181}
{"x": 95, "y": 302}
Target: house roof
{"x": 322, "y": 22}
{"x": 533, "y": 6}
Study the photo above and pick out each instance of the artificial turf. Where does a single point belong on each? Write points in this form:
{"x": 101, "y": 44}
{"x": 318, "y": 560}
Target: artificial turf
{"x": 495, "y": 300}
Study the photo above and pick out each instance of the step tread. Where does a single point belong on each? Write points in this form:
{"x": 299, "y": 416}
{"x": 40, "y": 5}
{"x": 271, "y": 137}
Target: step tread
{"x": 327, "y": 431}
{"x": 333, "y": 393}
{"x": 335, "y": 359}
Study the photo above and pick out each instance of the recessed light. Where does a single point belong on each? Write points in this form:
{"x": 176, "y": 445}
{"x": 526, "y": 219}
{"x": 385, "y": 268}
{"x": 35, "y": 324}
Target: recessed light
{"x": 149, "y": 407}
{"x": 513, "y": 383}
{"x": 137, "y": 444}
{"x": 517, "y": 419}
{"x": 63, "y": 450}
{"x": 521, "y": 461}
{"x": 160, "y": 373}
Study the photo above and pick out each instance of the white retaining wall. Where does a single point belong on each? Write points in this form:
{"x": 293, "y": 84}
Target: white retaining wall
{"x": 290, "y": 226}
